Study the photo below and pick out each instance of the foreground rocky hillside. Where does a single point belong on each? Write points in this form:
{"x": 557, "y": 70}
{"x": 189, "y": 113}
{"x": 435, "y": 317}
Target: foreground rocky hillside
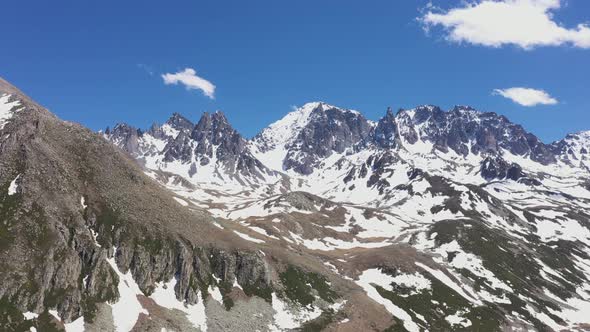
{"x": 89, "y": 242}
{"x": 427, "y": 220}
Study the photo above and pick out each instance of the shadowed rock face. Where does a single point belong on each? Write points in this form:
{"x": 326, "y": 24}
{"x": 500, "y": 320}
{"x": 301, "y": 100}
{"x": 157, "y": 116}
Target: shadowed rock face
{"x": 465, "y": 130}
{"x": 127, "y": 136}
{"x": 498, "y": 168}
{"x": 214, "y": 130}
{"x": 176, "y": 123}
{"x": 179, "y": 148}
{"x": 212, "y": 142}
{"x": 386, "y": 133}
{"x": 329, "y": 130}
{"x": 179, "y": 122}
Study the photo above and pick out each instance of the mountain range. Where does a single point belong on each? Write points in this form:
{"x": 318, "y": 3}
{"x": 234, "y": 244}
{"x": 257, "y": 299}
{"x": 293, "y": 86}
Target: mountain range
{"x": 426, "y": 220}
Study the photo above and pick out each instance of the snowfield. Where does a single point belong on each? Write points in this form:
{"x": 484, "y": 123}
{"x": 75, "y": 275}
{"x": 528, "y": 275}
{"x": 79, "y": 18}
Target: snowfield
{"x": 412, "y": 193}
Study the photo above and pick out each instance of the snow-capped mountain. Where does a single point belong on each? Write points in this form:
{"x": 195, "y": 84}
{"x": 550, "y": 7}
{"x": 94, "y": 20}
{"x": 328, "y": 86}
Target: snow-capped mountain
{"x": 575, "y": 149}
{"x": 305, "y": 137}
{"x": 210, "y": 153}
{"x": 483, "y": 220}
{"x": 426, "y": 220}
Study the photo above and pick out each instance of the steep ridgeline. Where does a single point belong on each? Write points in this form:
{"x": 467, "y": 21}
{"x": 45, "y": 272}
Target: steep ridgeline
{"x": 464, "y": 131}
{"x": 88, "y": 242}
{"x": 337, "y": 153}
{"x": 316, "y": 131}
{"x": 208, "y": 153}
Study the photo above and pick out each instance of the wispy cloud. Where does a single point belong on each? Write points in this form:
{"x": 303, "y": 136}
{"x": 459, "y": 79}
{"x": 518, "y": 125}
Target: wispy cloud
{"x": 495, "y": 23}
{"x": 188, "y": 77}
{"x": 148, "y": 69}
{"x": 526, "y": 96}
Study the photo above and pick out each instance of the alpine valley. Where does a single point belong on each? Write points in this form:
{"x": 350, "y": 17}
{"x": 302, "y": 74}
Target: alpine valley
{"x": 426, "y": 220}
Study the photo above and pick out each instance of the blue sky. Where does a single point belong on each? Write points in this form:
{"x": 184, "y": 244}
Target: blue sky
{"x": 101, "y": 62}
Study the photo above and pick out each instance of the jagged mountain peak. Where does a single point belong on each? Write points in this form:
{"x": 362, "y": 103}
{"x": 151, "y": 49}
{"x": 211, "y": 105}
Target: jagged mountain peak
{"x": 215, "y": 127}
{"x": 579, "y": 136}
{"x": 122, "y": 130}
{"x": 574, "y": 148}
{"x": 208, "y": 152}
{"x": 285, "y": 130}
{"x": 389, "y": 112}
{"x": 466, "y": 130}
{"x": 314, "y": 131}
{"x": 179, "y": 122}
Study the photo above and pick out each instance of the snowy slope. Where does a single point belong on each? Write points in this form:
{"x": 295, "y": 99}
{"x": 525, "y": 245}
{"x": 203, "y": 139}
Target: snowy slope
{"x": 459, "y": 187}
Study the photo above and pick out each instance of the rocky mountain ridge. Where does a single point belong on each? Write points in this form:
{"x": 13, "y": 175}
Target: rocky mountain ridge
{"x": 426, "y": 220}
{"x": 436, "y": 181}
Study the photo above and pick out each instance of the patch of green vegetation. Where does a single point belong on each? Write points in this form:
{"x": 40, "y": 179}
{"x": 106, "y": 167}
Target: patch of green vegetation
{"x": 498, "y": 255}
{"x": 45, "y": 323}
{"x": 107, "y": 294}
{"x": 11, "y": 319}
{"x": 300, "y": 286}
{"x": 439, "y": 302}
{"x": 197, "y": 284}
{"x": 258, "y": 289}
{"x": 40, "y": 236}
{"x": 511, "y": 264}
{"x": 89, "y": 308}
{"x": 398, "y": 326}
{"x": 8, "y": 208}
{"x": 154, "y": 245}
{"x": 320, "y": 323}
{"x": 225, "y": 289}
{"x": 29, "y": 286}
{"x": 54, "y": 297}
{"x": 552, "y": 254}
{"x": 107, "y": 221}
{"x": 480, "y": 283}
{"x": 518, "y": 305}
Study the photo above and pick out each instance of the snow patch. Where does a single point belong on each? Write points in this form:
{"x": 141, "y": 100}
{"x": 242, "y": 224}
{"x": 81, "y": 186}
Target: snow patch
{"x": 165, "y": 296}
{"x": 374, "y": 277}
{"x": 127, "y": 309}
{"x": 13, "y": 186}
{"x": 181, "y": 201}
{"x": 6, "y": 107}
{"x": 248, "y": 237}
{"x": 290, "y": 318}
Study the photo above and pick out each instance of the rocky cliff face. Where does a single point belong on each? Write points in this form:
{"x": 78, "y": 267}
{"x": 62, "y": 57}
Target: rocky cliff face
{"x": 211, "y": 151}
{"x": 317, "y": 130}
{"x": 310, "y": 134}
{"x": 329, "y": 130}
{"x": 463, "y": 130}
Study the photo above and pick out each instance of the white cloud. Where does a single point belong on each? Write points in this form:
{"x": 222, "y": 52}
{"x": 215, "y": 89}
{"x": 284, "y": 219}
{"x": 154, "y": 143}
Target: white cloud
{"x": 191, "y": 81}
{"x": 526, "y": 96}
{"x": 495, "y": 23}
